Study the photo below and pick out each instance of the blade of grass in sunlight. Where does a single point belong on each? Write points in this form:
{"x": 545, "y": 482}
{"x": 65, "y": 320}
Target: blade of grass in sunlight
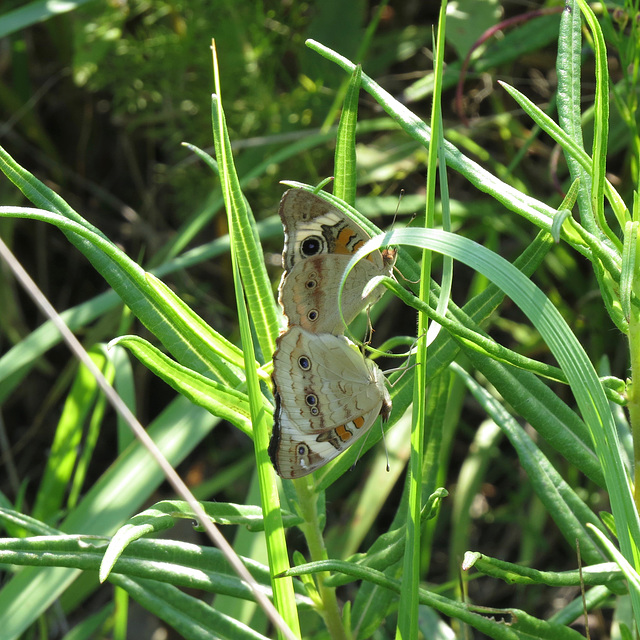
{"x": 571, "y": 514}
{"x": 421, "y": 434}
{"x": 177, "y": 431}
{"x": 584, "y": 382}
{"x": 18, "y": 360}
{"x": 601, "y": 123}
{"x": 344, "y": 184}
{"x": 531, "y": 209}
{"x": 65, "y": 449}
{"x": 143, "y": 294}
{"x": 247, "y": 277}
{"x": 521, "y": 625}
{"x": 219, "y": 399}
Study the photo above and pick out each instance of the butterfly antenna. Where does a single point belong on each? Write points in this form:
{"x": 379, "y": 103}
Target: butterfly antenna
{"x": 406, "y": 366}
{"x": 395, "y": 215}
{"x": 364, "y": 440}
{"x": 355, "y": 462}
{"x": 384, "y": 442}
{"x": 413, "y": 217}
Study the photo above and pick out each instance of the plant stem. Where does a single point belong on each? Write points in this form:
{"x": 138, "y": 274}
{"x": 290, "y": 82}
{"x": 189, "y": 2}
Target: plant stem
{"x": 634, "y": 397}
{"x": 312, "y": 531}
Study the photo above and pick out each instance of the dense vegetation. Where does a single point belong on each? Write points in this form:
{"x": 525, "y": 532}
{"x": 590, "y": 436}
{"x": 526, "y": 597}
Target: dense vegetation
{"x": 526, "y": 455}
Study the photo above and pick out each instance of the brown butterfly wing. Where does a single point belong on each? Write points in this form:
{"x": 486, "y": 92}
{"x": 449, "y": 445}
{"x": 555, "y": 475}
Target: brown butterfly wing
{"x": 327, "y": 397}
{"x": 319, "y": 242}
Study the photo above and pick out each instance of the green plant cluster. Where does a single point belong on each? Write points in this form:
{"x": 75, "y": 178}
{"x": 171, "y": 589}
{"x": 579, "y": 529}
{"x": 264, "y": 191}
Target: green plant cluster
{"x": 546, "y": 402}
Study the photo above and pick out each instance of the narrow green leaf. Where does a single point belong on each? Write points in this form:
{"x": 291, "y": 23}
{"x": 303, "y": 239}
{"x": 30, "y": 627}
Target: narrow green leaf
{"x": 633, "y": 579}
{"x": 66, "y": 444}
{"x": 92, "y": 434}
{"x": 131, "y": 283}
{"x": 568, "y": 67}
{"x": 253, "y": 290}
{"x": 606, "y": 573}
{"x": 558, "y": 221}
{"x": 520, "y": 622}
{"x": 219, "y": 399}
{"x": 601, "y": 125}
{"x": 163, "y": 516}
{"x": 176, "y": 562}
{"x": 628, "y": 271}
{"x": 571, "y": 148}
{"x": 188, "y": 615}
{"x": 344, "y": 185}
{"x": 533, "y": 210}
{"x": 546, "y": 412}
{"x": 117, "y": 494}
{"x": 223, "y": 358}
{"x": 244, "y": 240}
{"x": 567, "y": 510}
{"x": 421, "y": 433}
{"x": 584, "y": 382}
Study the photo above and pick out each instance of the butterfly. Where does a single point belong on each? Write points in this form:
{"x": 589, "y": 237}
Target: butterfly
{"x": 319, "y": 243}
{"x": 328, "y": 395}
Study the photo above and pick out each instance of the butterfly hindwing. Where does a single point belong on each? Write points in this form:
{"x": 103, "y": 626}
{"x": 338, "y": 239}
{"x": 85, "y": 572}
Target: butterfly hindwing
{"x": 327, "y": 396}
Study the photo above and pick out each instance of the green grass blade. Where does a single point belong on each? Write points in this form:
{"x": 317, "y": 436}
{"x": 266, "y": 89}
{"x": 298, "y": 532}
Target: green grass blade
{"x": 521, "y": 625}
{"x": 630, "y": 573}
{"x": 219, "y": 399}
{"x": 16, "y": 362}
{"x": 563, "y": 505}
{"x": 421, "y": 433}
{"x": 189, "y": 616}
{"x": 117, "y": 494}
{"x": 140, "y": 291}
{"x": 605, "y": 573}
{"x": 247, "y": 279}
{"x": 94, "y": 428}
{"x": 176, "y": 562}
{"x": 244, "y": 240}
{"x": 601, "y": 122}
{"x": 65, "y": 448}
{"x": 572, "y": 148}
{"x": 546, "y": 412}
{"x": 584, "y": 382}
{"x": 441, "y": 352}
{"x": 533, "y": 210}
{"x": 569, "y": 104}
{"x": 344, "y": 171}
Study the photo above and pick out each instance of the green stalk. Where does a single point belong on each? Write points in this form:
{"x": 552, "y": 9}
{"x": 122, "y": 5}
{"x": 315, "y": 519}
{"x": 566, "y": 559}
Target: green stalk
{"x": 633, "y": 391}
{"x": 407, "y": 626}
{"x": 312, "y": 530}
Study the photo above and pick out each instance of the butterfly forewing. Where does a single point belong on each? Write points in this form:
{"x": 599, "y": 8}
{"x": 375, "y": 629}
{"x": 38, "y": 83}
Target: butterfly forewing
{"x": 319, "y": 242}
